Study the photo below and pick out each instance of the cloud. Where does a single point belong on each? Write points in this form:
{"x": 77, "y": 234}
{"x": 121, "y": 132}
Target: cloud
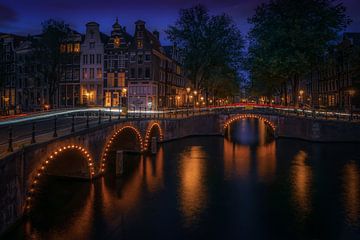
{"x": 7, "y": 15}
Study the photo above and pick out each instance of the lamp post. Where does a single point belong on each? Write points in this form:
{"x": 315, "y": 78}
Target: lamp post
{"x": 187, "y": 96}
{"x": 195, "y": 98}
{"x": 301, "y": 98}
{"x": 177, "y": 101}
{"x": 123, "y": 95}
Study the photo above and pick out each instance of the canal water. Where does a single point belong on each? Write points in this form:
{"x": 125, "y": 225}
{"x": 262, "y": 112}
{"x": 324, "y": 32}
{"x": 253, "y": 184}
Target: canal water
{"x": 244, "y": 186}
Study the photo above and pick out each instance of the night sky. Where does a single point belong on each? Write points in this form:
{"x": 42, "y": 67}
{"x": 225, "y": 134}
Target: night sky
{"x": 24, "y": 16}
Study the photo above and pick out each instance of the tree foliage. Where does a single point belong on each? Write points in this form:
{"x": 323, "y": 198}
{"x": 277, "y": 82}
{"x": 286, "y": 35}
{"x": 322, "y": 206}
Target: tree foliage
{"x": 212, "y": 46}
{"x": 47, "y": 50}
{"x": 287, "y": 38}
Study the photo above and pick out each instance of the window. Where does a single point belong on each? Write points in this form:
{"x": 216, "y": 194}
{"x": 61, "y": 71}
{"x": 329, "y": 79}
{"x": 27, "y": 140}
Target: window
{"x": 132, "y": 57}
{"x": 84, "y": 73}
{"x": 85, "y": 59}
{"x": 140, "y": 34}
{"x": 147, "y": 57}
{"x": 92, "y": 58}
{"x": 110, "y": 80}
{"x": 77, "y": 47}
{"x": 98, "y": 58}
{"x": 139, "y": 44}
{"x": 121, "y": 79}
{"x": 147, "y": 73}
{"x": 62, "y": 48}
{"x": 98, "y": 73}
{"x": 116, "y": 42}
{"x": 69, "y": 48}
{"x": 115, "y": 64}
{"x": 132, "y": 73}
{"x": 140, "y": 73}
{"x": 92, "y": 45}
{"x": 140, "y": 59}
{"x": 91, "y": 73}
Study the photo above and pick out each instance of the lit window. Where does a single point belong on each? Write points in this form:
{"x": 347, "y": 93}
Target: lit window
{"x": 116, "y": 42}
{"x": 69, "y": 48}
{"x": 122, "y": 79}
{"x": 77, "y": 47}
{"x": 98, "y": 73}
{"x": 139, "y": 44}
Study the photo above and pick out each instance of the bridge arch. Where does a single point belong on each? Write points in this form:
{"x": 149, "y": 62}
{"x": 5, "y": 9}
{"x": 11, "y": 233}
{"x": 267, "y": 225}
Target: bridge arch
{"x": 45, "y": 164}
{"x": 153, "y": 128}
{"x": 114, "y": 138}
{"x": 245, "y": 116}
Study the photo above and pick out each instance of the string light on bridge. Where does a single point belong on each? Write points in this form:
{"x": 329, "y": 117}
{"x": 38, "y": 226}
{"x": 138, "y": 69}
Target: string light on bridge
{"x": 41, "y": 170}
{"x": 244, "y": 116}
{"x": 108, "y": 145}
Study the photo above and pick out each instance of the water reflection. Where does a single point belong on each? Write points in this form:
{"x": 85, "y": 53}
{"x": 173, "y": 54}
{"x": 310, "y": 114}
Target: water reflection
{"x": 249, "y": 187}
{"x": 250, "y": 147}
{"x": 236, "y": 160}
{"x": 352, "y": 193}
{"x": 301, "y": 180}
{"x": 192, "y": 189}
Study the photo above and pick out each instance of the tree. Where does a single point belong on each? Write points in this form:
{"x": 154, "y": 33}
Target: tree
{"x": 211, "y": 45}
{"x": 287, "y": 38}
{"x": 47, "y": 50}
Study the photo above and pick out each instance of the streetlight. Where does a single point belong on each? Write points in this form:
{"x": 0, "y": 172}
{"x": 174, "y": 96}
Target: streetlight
{"x": 187, "y": 96}
{"x": 178, "y": 100}
{"x": 195, "y": 95}
{"x": 301, "y": 92}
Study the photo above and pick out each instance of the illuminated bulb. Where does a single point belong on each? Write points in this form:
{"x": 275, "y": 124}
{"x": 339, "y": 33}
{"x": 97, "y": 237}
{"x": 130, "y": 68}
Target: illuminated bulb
{"x": 51, "y": 156}
{"x": 46, "y": 161}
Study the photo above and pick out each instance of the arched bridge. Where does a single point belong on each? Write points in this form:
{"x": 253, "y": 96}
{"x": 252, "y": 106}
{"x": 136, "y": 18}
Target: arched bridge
{"x": 82, "y": 149}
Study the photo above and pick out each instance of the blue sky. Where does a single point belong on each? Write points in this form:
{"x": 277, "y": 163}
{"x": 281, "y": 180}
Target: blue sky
{"x": 25, "y": 16}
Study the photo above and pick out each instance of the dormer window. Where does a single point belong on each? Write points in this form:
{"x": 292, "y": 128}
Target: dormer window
{"x": 140, "y": 34}
{"x": 140, "y": 44}
{"x": 116, "y": 42}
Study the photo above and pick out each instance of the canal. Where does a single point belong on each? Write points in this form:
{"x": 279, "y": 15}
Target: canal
{"x": 244, "y": 186}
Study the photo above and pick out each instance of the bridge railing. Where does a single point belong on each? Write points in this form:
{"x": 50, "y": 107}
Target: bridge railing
{"x": 18, "y": 133}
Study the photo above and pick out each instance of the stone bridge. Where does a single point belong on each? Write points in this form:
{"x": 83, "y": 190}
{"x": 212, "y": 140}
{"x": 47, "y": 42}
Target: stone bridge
{"x": 22, "y": 170}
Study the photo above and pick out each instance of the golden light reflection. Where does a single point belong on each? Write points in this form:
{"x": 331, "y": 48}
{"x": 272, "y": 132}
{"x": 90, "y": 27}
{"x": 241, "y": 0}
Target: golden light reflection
{"x": 301, "y": 181}
{"x": 192, "y": 188}
{"x": 266, "y": 161}
{"x": 352, "y": 193}
{"x": 155, "y": 172}
{"x": 148, "y": 174}
{"x": 236, "y": 160}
